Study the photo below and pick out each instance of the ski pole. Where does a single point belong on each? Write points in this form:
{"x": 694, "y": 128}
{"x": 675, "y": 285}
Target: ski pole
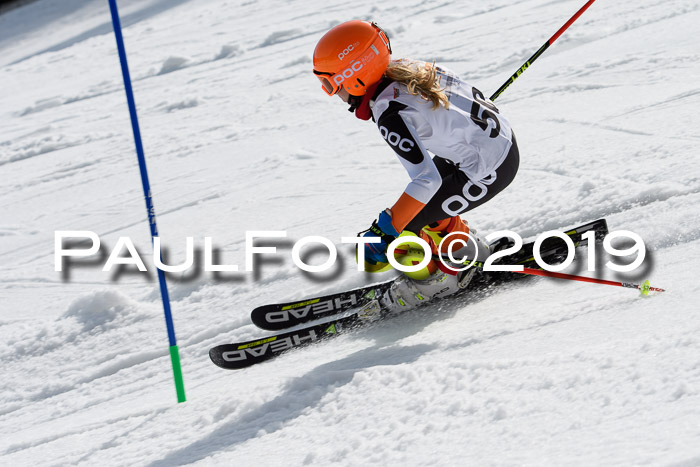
{"x": 174, "y": 350}
{"x": 645, "y": 288}
{"x": 541, "y": 50}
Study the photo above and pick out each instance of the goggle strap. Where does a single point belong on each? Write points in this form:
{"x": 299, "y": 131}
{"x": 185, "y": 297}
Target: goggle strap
{"x": 383, "y": 36}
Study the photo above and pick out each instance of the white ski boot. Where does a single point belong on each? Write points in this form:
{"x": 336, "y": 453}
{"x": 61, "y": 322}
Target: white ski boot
{"x": 406, "y": 293}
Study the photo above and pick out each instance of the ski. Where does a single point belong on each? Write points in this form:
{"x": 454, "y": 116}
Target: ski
{"x": 553, "y": 250}
{"x": 245, "y": 354}
{"x": 278, "y": 316}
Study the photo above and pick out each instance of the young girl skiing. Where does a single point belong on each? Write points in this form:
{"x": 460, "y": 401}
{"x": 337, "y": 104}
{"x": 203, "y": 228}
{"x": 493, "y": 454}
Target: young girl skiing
{"x": 420, "y": 108}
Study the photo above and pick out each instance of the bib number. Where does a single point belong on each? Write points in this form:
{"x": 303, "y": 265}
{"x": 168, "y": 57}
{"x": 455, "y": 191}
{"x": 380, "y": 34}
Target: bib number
{"x": 488, "y": 112}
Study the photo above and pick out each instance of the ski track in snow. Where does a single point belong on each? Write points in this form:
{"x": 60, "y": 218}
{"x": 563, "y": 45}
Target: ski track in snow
{"x": 238, "y": 136}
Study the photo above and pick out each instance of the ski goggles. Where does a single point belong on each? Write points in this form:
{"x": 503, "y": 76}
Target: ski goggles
{"x": 332, "y": 82}
{"x": 326, "y": 83}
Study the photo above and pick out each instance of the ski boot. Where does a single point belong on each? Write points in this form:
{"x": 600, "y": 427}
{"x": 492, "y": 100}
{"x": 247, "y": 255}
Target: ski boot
{"x": 439, "y": 278}
{"x": 407, "y": 293}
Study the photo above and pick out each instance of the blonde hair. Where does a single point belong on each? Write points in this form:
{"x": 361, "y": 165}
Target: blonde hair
{"x": 420, "y": 81}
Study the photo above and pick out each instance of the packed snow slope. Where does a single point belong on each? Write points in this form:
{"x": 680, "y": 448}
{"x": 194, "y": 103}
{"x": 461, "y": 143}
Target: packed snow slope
{"x": 239, "y": 137}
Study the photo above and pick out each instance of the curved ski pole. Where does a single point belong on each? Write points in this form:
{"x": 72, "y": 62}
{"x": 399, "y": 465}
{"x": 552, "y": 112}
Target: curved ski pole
{"x": 541, "y": 50}
{"x": 644, "y": 288}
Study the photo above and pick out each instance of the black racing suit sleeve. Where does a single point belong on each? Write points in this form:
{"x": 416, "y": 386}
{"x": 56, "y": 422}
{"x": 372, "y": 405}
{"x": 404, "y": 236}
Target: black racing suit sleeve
{"x": 403, "y": 138}
{"x": 395, "y": 132}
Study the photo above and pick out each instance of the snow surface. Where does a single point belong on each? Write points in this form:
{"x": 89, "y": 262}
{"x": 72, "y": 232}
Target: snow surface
{"x": 238, "y": 136}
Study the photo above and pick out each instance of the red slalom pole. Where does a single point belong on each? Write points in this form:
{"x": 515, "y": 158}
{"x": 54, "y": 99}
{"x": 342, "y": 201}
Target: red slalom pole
{"x": 645, "y": 288}
{"x": 541, "y": 50}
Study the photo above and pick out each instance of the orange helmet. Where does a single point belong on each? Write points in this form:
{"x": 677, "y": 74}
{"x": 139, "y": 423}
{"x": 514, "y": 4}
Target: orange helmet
{"x": 352, "y": 55}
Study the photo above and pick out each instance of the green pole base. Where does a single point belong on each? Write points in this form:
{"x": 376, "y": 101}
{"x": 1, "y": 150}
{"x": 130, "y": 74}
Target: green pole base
{"x": 177, "y": 373}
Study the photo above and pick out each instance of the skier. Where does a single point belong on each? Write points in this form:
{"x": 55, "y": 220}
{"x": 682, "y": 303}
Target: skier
{"x": 420, "y": 108}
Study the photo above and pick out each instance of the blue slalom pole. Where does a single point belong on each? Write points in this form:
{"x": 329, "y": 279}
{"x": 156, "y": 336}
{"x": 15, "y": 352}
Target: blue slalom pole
{"x": 174, "y": 351}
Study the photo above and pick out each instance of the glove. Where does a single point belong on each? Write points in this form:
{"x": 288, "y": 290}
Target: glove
{"x": 385, "y": 230}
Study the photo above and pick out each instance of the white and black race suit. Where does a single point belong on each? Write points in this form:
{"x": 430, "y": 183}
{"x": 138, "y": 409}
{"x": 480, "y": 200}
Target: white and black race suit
{"x": 476, "y": 155}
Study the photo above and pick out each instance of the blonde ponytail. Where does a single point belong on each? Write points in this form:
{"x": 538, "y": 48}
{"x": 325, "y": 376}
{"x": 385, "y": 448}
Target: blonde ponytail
{"x": 420, "y": 81}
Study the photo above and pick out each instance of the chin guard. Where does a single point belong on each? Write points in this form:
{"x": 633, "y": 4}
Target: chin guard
{"x": 354, "y": 102}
